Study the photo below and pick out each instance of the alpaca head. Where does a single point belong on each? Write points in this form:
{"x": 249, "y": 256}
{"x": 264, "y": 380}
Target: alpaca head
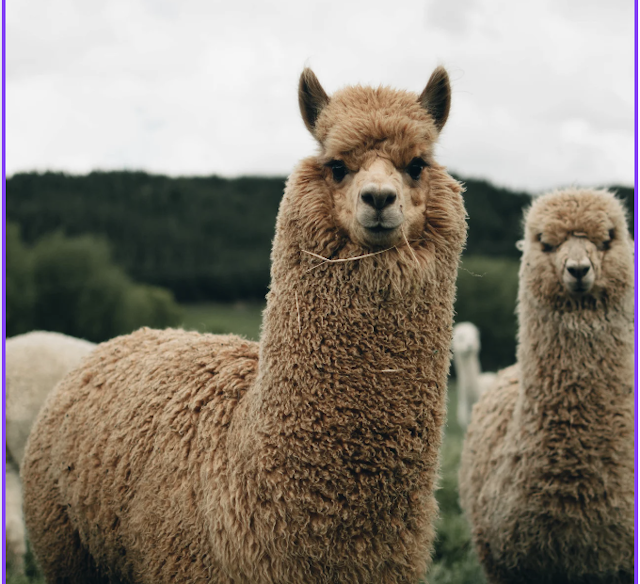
{"x": 375, "y": 168}
{"x": 576, "y": 246}
{"x": 466, "y": 339}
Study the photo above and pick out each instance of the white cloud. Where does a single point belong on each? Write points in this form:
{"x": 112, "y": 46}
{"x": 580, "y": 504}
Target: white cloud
{"x": 543, "y": 92}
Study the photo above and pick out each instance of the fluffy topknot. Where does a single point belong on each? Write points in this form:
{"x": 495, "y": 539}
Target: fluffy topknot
{"x": 589, "y": 211}
{"x": 358, "y": 119}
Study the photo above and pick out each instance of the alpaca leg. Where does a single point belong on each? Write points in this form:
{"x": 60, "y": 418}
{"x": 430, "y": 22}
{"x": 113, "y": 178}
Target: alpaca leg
{"x": 61, "y": 555}
{"x": 16, "y": 547}
{"x": 495, "y": 573}
{"x": 65, "y": 560}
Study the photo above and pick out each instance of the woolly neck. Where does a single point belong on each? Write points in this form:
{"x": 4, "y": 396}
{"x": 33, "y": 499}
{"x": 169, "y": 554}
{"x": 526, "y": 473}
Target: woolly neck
{"x": 351, "y": 339}
{"x": 576, "y": 381}
{"x": 353, "y": 365}
{"x": 588, "y": 347}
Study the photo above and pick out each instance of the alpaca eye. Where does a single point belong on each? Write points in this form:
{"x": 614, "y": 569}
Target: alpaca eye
{"x": 338, "y": 169}
{"x": 415, "y": 168}
{"x": 605, "y": 245}
{"x": 546, "y": 247}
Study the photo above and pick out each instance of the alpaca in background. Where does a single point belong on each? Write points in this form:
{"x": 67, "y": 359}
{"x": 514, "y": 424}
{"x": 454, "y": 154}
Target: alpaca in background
{"x": 35, "y": 362}
{"x": 471, "y": 382}
{"x": 547, "y": 467}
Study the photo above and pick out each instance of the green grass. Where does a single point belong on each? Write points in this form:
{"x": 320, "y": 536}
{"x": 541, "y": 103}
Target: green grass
{"x": 454, "y": 560}
{"x": 32, "y": 573}
{"x": 241, "y": 318}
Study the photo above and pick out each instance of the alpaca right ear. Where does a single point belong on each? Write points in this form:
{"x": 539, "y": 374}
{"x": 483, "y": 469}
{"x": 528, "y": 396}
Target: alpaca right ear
{"x": 436, "y": 97}
{"x": 520, "y": 245}
{"x": 312, "y": 98}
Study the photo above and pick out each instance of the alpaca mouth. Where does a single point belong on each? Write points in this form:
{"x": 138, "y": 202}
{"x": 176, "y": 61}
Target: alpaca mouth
{"x": 380, "y": 235}
{"x": 579, "y": 288}
{"x": 378, "y": 229}
{"x": 380, "y": 221}
{"x": 579, "y": 285}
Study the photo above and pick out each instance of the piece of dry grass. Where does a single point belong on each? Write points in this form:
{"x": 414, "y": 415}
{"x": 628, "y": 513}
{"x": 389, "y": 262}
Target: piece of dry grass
{"x": 413, "y": 253}
{"x": 341, "y": 260}
{"x": 298, "y": 310}
{"x": 360, "y": 257}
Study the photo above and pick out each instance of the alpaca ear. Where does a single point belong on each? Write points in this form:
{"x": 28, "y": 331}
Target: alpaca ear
{"x": 520, "y": 245}
{"x": 436, "y": 97}
{"x": 312, "y": 98}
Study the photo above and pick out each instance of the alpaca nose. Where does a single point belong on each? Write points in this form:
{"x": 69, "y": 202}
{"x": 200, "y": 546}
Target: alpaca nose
{"x": 578, "y": 271}
{"x": 378, "y": 198}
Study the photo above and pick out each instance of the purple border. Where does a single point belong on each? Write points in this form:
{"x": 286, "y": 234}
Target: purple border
{"x": 635, "y": 212}
{"x": 4, "y": 225}
{"x": 4, "y": 279}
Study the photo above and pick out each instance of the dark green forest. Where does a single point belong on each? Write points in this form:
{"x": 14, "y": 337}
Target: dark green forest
{"x": 209, "y": 238}
{"x": 142, "y": 238}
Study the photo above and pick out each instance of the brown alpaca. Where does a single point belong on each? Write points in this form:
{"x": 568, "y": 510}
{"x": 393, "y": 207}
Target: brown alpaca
{"x": 313, "y": 456}
{"x": 547, "y": 471}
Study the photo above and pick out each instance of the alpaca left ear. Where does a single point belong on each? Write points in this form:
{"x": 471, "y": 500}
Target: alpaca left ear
{"x": 312, "y": 98}
{"x": 436, "y": 97}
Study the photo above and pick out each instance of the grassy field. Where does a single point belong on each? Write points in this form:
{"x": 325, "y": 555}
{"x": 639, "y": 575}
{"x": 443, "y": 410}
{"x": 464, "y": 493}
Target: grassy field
{"x": 241, "y": 318}
{"x": 454, "y": 561}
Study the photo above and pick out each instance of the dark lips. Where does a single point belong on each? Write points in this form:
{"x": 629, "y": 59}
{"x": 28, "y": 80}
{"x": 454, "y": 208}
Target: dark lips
{"x": 380, "y": 229}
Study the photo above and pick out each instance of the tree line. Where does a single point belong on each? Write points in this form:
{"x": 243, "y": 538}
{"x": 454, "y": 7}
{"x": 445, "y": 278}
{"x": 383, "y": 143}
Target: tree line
{"x": 71, "y": 285}
{"x": 144, "y": 238}
{"x": 209, "y": 237}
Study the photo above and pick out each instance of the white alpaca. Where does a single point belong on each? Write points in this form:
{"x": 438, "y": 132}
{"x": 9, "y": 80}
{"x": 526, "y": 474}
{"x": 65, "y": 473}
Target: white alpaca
{"x": 16, "y": 546}
{"x": 35, "y": 362}
{"x": 471, "y": 382}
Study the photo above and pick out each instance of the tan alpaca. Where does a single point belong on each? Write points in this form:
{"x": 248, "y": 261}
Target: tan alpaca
{"x": 35, "y": 362}
{"x": 547, "y": 471}
{"x": 313, "y": 456}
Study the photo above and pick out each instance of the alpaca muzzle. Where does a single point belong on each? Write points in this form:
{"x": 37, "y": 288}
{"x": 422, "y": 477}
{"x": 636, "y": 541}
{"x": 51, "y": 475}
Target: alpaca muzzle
{"x": 578, "y": 276}
{"x": 379, "y": 213}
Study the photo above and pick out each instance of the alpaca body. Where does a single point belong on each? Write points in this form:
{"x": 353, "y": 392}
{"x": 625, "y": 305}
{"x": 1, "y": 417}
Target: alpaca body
{"x": 547, "y": 468}
{"x": 329, "y": 479}
{"x": 311, "y": 457}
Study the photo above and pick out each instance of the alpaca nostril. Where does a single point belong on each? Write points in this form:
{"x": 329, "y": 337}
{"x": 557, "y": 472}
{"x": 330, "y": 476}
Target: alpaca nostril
{"x": 378, "y": 199}
{"x": 367, "y": 199}
{"x": 578, "y": 272}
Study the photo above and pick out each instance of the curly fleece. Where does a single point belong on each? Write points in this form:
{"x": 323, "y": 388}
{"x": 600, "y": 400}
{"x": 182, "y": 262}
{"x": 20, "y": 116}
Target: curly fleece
{"x": 309, "y": 458}
{"x": 547, "y": 471}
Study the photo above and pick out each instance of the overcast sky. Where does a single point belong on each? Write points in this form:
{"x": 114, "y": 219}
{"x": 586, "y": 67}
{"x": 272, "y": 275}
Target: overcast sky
{"x": 543, "y": 92}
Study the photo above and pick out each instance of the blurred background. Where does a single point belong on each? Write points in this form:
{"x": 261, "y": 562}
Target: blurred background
{"x": 148, "y": 142}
